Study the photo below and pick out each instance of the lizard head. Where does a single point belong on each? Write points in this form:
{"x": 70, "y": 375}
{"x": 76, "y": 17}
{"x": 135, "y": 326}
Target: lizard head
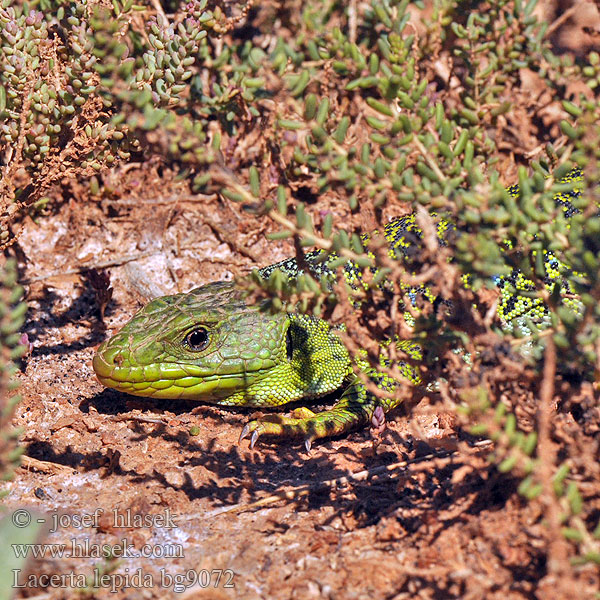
{"x": 210, "y": 345}
{"x": 204, "y": 344}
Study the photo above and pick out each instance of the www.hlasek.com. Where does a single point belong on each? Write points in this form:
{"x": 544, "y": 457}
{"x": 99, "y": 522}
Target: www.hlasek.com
{"x": 86, "y": 549}
{"x": 137, "y": 578}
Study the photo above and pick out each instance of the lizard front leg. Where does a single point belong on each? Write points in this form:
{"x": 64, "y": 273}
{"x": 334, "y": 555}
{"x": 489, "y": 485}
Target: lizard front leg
{"x": 355, "y": 408}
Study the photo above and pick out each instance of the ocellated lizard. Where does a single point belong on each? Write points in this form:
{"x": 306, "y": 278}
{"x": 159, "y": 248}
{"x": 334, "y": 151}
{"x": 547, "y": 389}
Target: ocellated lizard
{"x": 209, "y": 345}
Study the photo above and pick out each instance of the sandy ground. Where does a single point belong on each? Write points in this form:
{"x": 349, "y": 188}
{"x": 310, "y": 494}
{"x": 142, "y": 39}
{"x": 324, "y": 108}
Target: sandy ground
{"x": 109, "y": 470}
{"x": 128, "y": 472}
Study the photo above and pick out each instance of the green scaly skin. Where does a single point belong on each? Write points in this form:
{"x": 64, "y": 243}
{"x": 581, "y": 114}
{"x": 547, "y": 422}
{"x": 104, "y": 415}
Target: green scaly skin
{"x": 253, "y": 358}
{"x": 209, "y": 345}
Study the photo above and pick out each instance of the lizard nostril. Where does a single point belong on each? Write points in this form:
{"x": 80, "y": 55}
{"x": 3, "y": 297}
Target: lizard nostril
{"x": 118, "y": 359}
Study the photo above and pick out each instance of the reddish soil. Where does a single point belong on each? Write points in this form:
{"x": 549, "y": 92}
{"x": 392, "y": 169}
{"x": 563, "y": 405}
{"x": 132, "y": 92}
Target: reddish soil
{"x": 445, "y": 527}
{"x": 441, "y": 527}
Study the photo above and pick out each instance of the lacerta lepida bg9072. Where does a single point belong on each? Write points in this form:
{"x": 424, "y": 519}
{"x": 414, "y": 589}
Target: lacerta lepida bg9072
{"x": 209, "y": 345}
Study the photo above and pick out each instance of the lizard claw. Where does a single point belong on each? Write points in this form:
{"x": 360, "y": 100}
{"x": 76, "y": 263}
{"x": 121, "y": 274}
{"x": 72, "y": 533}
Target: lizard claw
{"x": 245, "y": 432}
{"x": 308, "y": 444}
{"x": 253, "y": 427}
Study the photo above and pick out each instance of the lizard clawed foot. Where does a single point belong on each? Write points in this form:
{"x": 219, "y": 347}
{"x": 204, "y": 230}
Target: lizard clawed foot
{"x": 303, "y": 422}
{"x": 307, "y": 425}
{"x": 282, "y": 427}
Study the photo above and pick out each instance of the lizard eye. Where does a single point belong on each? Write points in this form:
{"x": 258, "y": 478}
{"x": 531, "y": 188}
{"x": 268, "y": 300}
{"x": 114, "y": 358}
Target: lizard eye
{"x": 197, "y": 339}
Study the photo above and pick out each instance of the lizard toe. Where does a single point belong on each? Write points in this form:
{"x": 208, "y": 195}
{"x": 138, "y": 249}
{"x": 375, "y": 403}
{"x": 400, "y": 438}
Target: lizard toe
{"x": 245, "y": 432}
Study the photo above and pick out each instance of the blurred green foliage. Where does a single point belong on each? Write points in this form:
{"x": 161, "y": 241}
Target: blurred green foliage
{"x": 12, "y": 316}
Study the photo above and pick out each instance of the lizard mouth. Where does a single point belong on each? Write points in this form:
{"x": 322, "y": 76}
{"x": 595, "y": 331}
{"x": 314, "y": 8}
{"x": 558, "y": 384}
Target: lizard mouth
{"x": 170, "y": 380}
